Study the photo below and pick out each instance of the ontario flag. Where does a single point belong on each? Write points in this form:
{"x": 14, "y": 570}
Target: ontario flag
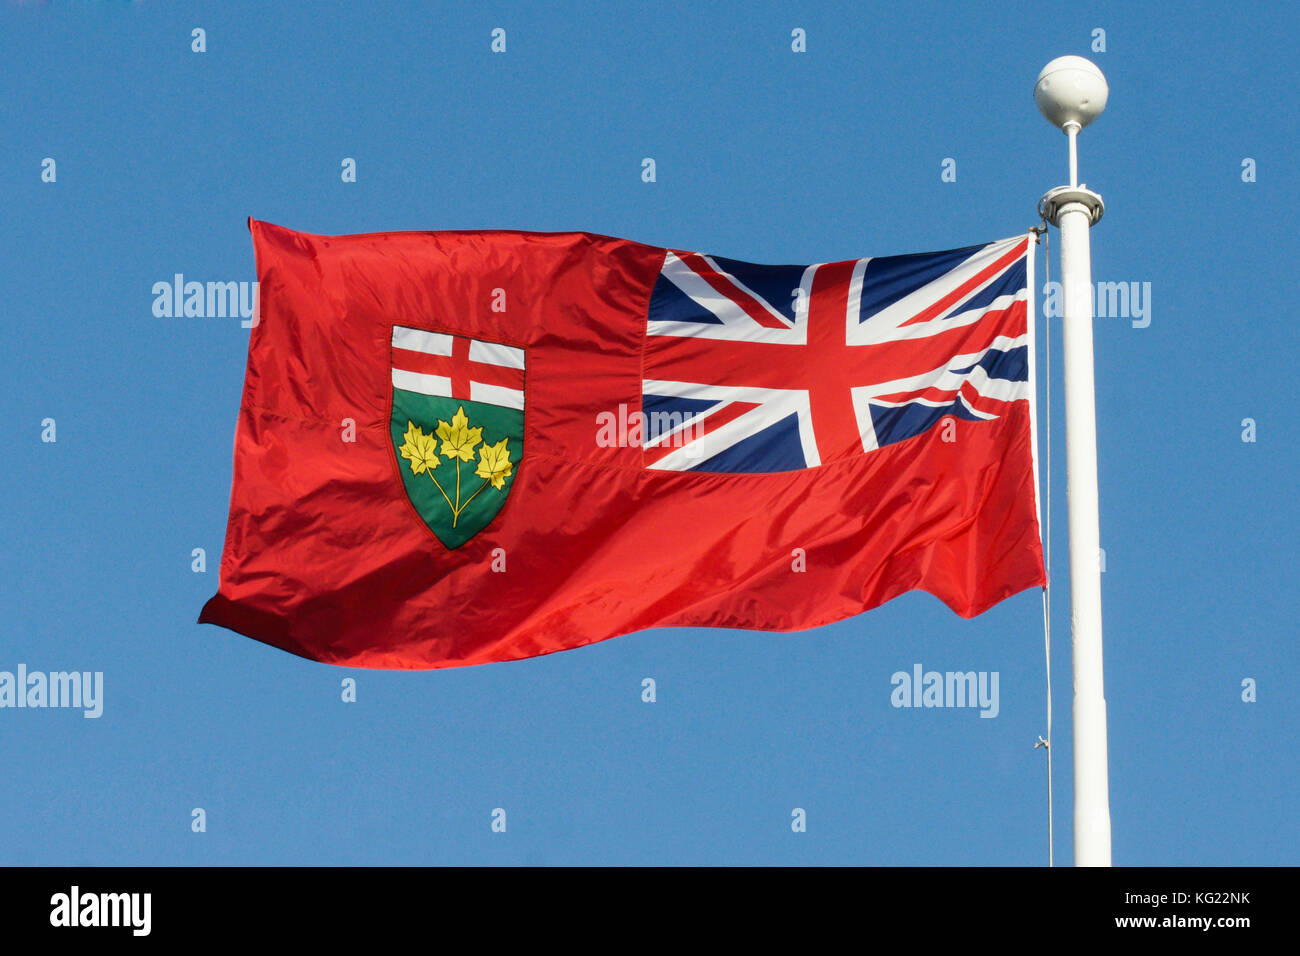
{"x": 463, "y": 447}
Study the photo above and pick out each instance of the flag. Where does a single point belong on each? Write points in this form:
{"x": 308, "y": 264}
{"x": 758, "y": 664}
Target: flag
{"x": 463, "y": 447}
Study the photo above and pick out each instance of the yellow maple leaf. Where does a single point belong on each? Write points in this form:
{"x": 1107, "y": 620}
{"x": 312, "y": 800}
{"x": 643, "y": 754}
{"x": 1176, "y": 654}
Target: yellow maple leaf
{"x": 420, "y": 450}
{"x": 458, "y": 439}
{"x": 494, "y": 463}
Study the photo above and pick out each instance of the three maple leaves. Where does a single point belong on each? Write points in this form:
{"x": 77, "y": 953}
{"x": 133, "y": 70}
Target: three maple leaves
{"x": 458, "y": 443}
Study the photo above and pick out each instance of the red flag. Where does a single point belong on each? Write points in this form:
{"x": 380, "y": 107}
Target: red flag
{"x": 463, "y": 447}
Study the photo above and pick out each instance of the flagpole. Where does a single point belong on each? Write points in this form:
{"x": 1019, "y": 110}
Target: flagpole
{"x": 1071, "y": 92}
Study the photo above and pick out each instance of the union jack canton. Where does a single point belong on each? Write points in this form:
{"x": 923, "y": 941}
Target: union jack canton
{"x": 754, "y": 368}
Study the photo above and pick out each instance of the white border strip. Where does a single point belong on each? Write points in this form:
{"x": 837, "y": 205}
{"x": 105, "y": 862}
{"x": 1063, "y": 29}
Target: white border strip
{"x": 421, "y": 383}
{"x": 496, "y": 395}
{"x": 493, "y": 353}
{"x": 1030, "y": 318}
{"x": 418, "y": 340}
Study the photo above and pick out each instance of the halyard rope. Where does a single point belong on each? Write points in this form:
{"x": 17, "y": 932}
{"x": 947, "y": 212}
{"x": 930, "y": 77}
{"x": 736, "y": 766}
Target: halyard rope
{"x": 1046, "y": 744}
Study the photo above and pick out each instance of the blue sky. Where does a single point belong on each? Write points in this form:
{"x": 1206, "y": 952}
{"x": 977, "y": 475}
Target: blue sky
{"x": 762, "y": 154}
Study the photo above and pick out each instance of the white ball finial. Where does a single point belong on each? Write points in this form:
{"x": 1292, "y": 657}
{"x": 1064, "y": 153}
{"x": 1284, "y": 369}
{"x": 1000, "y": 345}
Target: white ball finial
{"x": 1071, "y": 90}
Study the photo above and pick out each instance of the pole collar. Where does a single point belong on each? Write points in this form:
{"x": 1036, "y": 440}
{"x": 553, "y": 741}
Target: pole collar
{"x": 1055, "y": 201}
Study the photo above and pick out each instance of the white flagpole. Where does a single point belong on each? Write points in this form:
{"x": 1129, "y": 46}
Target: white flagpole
{"x": 1071, "y": 92}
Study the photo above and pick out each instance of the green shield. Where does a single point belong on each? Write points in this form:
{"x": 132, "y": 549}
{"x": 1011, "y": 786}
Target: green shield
{"x": 458, "y": 460}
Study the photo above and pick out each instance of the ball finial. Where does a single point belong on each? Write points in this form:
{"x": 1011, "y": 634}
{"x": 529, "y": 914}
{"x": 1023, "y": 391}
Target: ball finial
{"x": 1071, "y": 90}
